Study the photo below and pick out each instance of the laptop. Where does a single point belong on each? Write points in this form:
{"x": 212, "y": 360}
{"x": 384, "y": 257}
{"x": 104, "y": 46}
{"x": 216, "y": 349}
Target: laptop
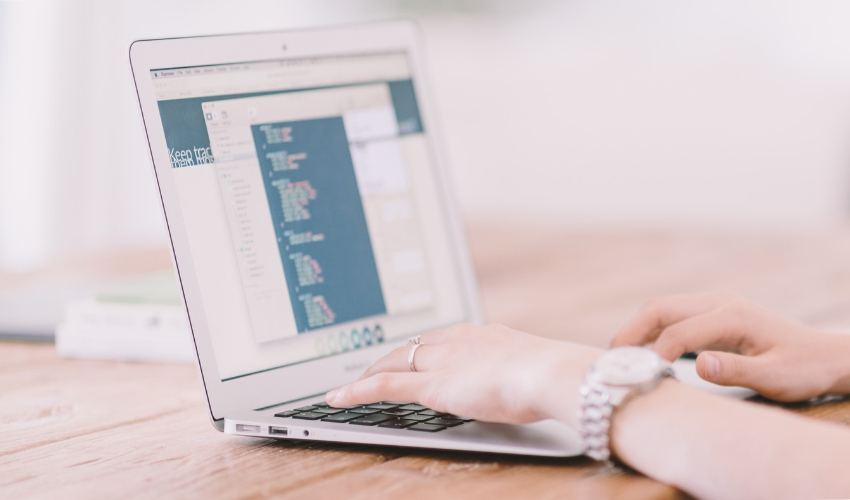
{"x": 313, "y": 228}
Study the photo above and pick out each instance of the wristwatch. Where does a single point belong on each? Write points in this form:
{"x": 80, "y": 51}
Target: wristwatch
{"x": 616, "y": 377}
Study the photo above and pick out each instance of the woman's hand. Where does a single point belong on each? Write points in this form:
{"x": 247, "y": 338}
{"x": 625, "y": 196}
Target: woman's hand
{"x": 743, "y": 344}
{"x": 490, "y": 373}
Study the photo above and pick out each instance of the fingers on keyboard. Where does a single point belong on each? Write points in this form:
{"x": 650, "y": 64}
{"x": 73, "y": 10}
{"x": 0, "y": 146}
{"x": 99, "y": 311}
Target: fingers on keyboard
{"x": 387, "y": 414}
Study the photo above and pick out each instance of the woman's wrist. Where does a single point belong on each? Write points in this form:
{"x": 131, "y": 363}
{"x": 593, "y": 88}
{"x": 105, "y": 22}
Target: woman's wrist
{"x": 559, "y": 396}
{"x": 630, "y": 440}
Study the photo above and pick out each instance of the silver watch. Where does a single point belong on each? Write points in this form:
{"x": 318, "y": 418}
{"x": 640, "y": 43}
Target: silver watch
{"x": 617, "y": 376}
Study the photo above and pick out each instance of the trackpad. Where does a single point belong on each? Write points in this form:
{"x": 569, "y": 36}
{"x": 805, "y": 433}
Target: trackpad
{"x": 686, "y": 372}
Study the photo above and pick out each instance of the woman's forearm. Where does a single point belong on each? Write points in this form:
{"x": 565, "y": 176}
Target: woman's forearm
{"x": 716, "y": 447}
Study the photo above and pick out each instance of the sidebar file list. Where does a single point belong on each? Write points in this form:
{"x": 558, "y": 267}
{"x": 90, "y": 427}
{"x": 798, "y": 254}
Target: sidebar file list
{"x": 250, "y": 222}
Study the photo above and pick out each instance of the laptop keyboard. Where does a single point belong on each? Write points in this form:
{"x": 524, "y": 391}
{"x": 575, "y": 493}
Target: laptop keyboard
{"x": 407, "y": 416}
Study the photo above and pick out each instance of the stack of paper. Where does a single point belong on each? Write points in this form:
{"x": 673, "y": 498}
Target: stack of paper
{"x": 140, "y": 320}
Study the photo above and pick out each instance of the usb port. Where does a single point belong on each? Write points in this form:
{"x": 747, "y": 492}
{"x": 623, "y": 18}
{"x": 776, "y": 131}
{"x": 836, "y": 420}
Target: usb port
{"x": 282, "y": 431}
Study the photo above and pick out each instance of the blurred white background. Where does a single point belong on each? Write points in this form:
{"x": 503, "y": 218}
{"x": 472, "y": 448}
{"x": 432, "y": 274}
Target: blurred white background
{"x": 620, "y": 114}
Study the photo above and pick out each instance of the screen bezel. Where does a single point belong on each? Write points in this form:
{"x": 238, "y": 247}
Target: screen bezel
{"x": 309, "y": 378}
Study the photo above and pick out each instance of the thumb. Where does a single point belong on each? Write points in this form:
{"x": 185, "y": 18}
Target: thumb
{"x": 726, "y": 368}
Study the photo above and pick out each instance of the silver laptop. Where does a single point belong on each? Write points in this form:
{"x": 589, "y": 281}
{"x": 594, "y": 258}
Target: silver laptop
{"x": 312, "y": 228}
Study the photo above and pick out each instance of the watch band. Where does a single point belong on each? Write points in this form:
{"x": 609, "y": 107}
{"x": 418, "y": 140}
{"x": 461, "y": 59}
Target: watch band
{"x": 596, "y": 406}
{"x": 595, "y": 420}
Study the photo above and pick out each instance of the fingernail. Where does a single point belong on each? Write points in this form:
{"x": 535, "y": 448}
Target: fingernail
{"x": 712, "y": 366}
{"x": 331, "y": 396}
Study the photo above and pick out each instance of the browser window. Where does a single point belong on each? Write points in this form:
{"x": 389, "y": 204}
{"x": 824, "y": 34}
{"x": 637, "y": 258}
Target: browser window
{"x": 315, "y": 222}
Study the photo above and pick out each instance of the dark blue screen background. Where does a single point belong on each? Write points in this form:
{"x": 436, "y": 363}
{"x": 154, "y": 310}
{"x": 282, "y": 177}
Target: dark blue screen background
{"x": 350, "y": 284}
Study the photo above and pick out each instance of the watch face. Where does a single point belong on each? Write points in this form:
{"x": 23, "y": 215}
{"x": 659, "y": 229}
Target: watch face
{"x": 627, "y": 366}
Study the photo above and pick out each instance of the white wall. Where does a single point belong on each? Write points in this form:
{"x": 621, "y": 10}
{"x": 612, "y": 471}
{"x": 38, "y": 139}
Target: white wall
{"x": 600, "y": 114}
{"x": 650, "y": 114}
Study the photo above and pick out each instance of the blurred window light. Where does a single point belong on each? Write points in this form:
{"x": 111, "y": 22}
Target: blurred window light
{"x": 26, "y": 98}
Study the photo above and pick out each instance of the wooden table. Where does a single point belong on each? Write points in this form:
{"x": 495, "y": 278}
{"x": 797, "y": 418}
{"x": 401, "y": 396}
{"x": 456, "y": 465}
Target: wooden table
{"x": 94, "y": 429}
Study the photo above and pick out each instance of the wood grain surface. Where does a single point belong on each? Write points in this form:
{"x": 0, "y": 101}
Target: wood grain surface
{"x": 98, "y": 429}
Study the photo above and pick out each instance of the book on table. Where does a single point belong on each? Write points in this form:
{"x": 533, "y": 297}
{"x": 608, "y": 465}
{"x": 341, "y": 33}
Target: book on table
{"x": 141, "y": 319}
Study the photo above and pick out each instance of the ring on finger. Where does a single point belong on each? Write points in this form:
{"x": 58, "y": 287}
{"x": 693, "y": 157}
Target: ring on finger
{"x": 415, "y": 340}
{"x": 411, "y": 354}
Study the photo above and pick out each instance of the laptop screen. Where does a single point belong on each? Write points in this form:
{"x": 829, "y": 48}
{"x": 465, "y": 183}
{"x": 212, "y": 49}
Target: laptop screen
{"x": 315, "y": 221}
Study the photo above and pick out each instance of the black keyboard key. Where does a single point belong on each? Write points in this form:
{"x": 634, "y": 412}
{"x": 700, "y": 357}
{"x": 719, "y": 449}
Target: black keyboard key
{"x": 284, "y": 414}
{"x": 396, "y": 412}
{"x": 346, "y": 407}
{"x": 364, "y": 411}
{"x": 341, "y": 418}
{"x": 382, "y": 406}
{"x": 394, "y": 403}
{"x": 413, "y": 407}
{"x": 432, "y": 413}
{"x": 328, "y": 411}
{"x": 375, "y": 419}
{"x": 426, "y": 427}
{"x": 398, "y": 423}
{"x": 448, "y": 422}
{"x": 308, "y": 415}
{"x": 449, "y": 415}
{"x": 321, "y": 405}
{"x": 306, "y": 408}
{"x": 419, "y": 418}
